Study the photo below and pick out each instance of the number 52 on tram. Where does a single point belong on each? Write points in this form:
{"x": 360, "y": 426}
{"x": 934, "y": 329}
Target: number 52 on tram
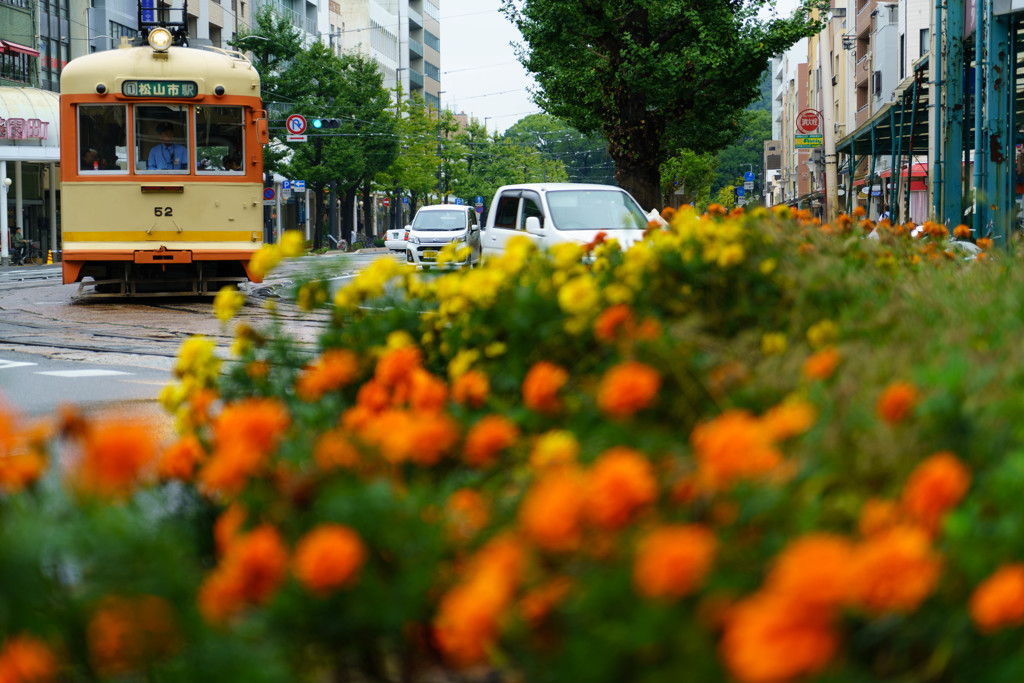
{"x": 161, "y": 168}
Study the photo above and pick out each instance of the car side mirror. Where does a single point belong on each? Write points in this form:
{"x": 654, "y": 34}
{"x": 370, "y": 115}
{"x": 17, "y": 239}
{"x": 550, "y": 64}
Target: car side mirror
{"x": 408, "y": 228}
{"x": 533, "y": 226}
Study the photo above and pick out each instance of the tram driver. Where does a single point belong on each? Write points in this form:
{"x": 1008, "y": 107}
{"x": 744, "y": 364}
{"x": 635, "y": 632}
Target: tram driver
{"x": 167, "y": 154}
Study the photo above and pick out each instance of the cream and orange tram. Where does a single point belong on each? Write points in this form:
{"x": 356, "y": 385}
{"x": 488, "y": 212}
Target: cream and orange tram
{"x": 161, "y": 167}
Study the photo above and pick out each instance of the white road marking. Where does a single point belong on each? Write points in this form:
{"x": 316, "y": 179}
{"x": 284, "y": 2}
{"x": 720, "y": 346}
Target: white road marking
{"x": 8, "y": 364}
{"x": 83, "y": 373}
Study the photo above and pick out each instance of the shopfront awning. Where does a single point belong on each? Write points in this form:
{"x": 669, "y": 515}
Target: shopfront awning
{"x": 29, "y": 124}
{"x": 7, "y": 47}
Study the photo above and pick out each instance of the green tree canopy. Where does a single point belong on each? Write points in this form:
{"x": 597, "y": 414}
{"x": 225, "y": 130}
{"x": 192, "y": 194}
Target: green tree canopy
{"x": 653, "y": 76}
{"x": 585, "y": 157}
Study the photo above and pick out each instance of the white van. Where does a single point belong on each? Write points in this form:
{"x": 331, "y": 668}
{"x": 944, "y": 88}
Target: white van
{"x": 440, "y": 225}
{"x": 550, "y": 213}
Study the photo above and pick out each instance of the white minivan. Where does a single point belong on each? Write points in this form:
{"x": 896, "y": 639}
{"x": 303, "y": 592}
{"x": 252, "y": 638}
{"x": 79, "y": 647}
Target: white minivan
{"x": 440, "y": 225}
{"x": 550, "y": 213}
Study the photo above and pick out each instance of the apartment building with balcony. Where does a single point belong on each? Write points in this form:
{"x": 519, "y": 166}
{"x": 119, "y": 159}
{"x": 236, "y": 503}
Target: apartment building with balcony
{"x": 789, "y": 98}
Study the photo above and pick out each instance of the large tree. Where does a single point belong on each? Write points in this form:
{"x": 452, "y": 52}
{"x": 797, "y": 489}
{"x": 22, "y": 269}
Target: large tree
{"x": 585, "y": 157}
{"x": 653, "y": 76}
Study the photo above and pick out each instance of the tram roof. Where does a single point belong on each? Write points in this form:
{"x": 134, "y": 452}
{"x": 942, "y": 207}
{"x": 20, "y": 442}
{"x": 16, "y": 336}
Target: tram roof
{"x": 208, "y": 67}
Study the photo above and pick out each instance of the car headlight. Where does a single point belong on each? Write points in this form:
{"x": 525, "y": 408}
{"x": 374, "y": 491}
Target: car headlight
{"x": 460, "y": 238}
{"x": 414, "y": 239}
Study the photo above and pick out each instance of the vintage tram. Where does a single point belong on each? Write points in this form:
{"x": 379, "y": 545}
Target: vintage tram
{"x": 161, "y": 165}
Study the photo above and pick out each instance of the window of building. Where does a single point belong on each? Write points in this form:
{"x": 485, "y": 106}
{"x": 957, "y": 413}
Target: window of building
{"x": 102, "y": 138}
{"x": 117, "y": 31}
{"x": 219, "y": 139}
{"x": 15, "y": 3}
{"x": 15, "y": 66}
{"x": 432, "y": 41}
{"x": 431, "y": 71}
{"x": 431, "y": 10}
{"x": 903, "y": 56}
{"x": 926, "y": 39}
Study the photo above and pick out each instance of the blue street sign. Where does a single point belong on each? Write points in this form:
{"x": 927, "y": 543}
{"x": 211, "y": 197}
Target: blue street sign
{"x": 748, "y": 176}
{"x": 405, "y": 200}
{"x": 479, "y": 199}
{"x": 286, "y": 184}
{"x": 739, "y": 191}
{"x": 299, "y": 185}
{"x": 268, "y": 193}
{"x": 458, "y": 202}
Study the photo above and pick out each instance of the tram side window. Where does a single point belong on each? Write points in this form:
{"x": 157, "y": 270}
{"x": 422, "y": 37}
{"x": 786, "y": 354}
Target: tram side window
{"x": 219, "y": 139}
{"x": 102, "y": 138}
{"x": 161, "y": 138}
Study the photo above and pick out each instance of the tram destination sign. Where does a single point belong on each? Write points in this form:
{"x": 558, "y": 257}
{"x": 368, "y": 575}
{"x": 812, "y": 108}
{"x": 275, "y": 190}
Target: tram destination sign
{"x": 182, "y": 89}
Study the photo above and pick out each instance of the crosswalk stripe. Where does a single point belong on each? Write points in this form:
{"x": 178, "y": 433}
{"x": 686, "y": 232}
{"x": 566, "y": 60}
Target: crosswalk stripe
{"x": 8, "y": 364}
{"x": 82, "y": 373}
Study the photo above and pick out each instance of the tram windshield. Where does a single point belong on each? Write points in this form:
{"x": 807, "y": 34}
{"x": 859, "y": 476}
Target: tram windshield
{"x": 102, "y": 138}
{"x": 219, "y": 139}
{"x": 161, "y": 138}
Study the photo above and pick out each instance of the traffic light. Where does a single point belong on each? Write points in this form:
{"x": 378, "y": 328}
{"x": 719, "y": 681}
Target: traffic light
{"x": 323, "y": 124}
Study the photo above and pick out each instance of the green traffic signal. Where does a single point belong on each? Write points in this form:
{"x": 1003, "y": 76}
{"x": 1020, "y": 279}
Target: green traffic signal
{"x": 318, "y": 124}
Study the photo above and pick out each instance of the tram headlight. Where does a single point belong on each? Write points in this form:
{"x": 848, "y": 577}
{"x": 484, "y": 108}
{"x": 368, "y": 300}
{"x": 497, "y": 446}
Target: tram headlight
{"x": 160, "y": 39}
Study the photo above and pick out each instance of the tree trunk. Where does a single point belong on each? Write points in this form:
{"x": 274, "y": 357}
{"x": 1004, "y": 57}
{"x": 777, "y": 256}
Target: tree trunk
{"x": 634, "y": 144}
{"x": 368, "y": 213}
{"x": 318, "y": 216}
{"x": 348, "y": 203}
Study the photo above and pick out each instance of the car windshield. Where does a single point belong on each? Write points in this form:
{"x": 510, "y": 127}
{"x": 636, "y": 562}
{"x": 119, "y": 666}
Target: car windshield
{"x": 595, "y": 210}
{"x": 440, "y": 220}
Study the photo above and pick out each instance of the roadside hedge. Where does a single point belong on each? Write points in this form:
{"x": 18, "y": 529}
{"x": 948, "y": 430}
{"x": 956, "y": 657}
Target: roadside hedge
{"x": 749, "y": 448}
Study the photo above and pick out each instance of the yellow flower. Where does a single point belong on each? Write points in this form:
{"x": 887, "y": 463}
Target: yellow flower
{"x": 311, "y": 295}
{"x": 566, "y": 255}
{"x": 768, "y": 266}
{"x": 196, "y": 359}
{"x": 822, "y": 334}
{"x": 227, "y": 303}
{"x": 293, "y": 244}
{"x": 400, "y": 339}
{"x": 617, "y": 293}
{"x": 773, "y": 344}
{"x": 265, "y": 260}
{"x": 495, "y": 349}
{"x": 462, "y": 362}
{"x": 579, "y": 295}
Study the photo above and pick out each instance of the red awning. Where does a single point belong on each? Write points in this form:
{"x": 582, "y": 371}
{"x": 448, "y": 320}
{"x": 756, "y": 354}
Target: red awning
{"x": 7, "y": 46}
{"x": 919, "y": 170}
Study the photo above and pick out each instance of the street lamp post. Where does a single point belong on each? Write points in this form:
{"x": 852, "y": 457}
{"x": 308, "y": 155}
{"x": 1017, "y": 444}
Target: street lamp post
{"x": 440, "y": 158}
{"x": 5, "y": 235}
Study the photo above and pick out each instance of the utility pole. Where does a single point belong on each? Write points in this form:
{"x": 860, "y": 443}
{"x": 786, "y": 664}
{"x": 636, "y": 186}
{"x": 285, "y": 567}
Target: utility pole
{"x": 828, "y": 122}
{"x": 441, "y": 197}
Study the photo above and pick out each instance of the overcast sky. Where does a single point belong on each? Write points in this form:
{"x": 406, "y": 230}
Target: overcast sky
{"x": 479, "y": 72}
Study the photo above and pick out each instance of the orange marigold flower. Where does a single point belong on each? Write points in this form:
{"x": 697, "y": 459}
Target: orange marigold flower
{"x": 620, "y": 483}
{"x": 20, "y": 470}
{"x": 627, "y": 388}
{"x": 962, "y": 232}
{"x": 126, "y": 634}
{"x": 200, "y": 402}
{"x": 668, "y": 213}
{"x": 227, "y": 526}
{"x": 26, "y": 659}
{"x": 859, "y": 212}
{"x": 541, "y": 386}
{"x": 615, "y": 322}
{"x": 220, "y": 597}
{"x": 557, "y": 447}
{"x": 487, "y": 438}
{"x": 716, "y": 210}
{"x": 788, "y": 419}
{"x": 814, "y": 570}
{"x": 984, "y": 243}
{"x": 466, "y": 513}
{"x": 551, "y": 514}
{"x": 117, "y": 455}
{"x": 878, "y": 515}
{"x": 179, "y": 460}
{"x": 536, "y": 605}
{"x": 402, "y": 436}
{"x": 733, "y": 446}
{"x": 333, "y": 450}
{"x": 373, "y": 396}
{"x": 333, "y": 370}
{"x": 427, "y": 393}
{"x": 897, "y": 402}
{"x": 262, "y": 560}
{"x": 935, "y": 486}
{"x": 821, "y": 365}
{"x": 770, "y": 639}
{"x": 394, "y": 365}
{"x": 894, "y": 571}
{"x": 257, "y": 423}
{"x": 672, "y": 560}
{"x": 471, "y": 388}
{"x": 328, "y": 557}
{"x": 998, "y": 602}
{"x": 257, "y": 369}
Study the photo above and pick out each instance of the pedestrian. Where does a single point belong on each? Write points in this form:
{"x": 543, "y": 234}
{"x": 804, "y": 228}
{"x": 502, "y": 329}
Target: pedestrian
{"x": 18, "y": 247}
{"x": 885, "y": 215}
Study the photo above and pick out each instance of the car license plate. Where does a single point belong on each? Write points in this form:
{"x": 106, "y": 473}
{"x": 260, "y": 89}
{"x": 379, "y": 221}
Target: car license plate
{"x": 429, "y": 253}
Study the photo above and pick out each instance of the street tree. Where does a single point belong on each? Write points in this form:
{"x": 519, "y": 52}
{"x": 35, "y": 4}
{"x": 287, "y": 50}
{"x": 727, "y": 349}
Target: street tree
{"x": 687, "y": 176}
{"x": 653, "y": 76}
{"x": 747, "y": 152}
{"x": 585, "y": 157}
{"x": 415, "y": 166}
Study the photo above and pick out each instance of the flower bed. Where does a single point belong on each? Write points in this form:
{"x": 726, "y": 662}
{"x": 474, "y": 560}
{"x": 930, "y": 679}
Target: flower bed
{"x": 749, "y": 448}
